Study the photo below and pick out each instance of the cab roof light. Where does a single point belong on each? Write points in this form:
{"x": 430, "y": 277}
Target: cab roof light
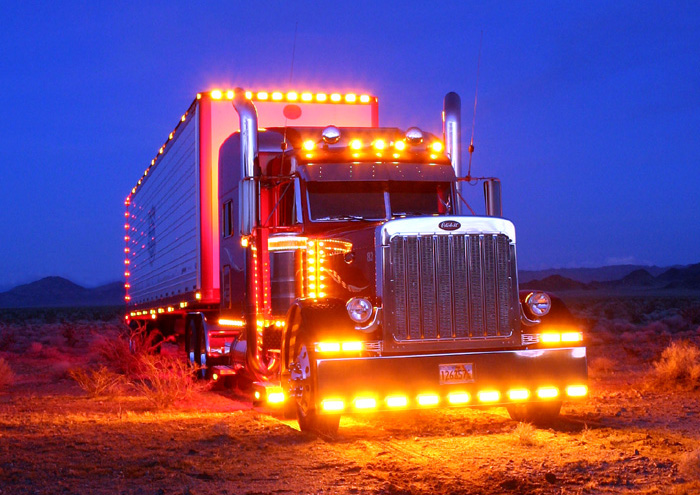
{"x": 216, "y": 94}
{"x": 307, "y": 97}
{"x": 356, "y": 144}
{"x": 262, "y": 95}
{"x": 276, "y": 96}
{"x": 309, "y": 145}
{"x": 335, "y": 97}
{"x": 437, "y": 146}
{"x": 380, "y": 144}
{"x": 400, "y": 145}
{"x": 321, "y": 97}
{"x": 364, "y": 98}
{"x": 351, "y": 98}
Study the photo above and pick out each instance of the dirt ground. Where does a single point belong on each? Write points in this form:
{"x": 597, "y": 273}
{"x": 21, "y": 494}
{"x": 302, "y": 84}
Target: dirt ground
{"x": 630, "y": 436}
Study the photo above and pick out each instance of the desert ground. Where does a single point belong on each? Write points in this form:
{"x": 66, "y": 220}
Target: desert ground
{"x": 76, "y": 416}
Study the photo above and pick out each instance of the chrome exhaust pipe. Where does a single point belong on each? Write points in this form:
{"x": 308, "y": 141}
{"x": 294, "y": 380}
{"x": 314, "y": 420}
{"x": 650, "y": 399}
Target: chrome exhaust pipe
{"x": 451, "y": 130}
{"x": 250, "y": 165}
{"x": 249, "y": 219}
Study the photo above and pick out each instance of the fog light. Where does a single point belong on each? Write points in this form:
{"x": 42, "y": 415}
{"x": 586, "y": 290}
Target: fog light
{"x": 365, "y": 403}
{"x": 427, "y": 400}
{"x": 397, "y": 401}
{"x": 458, "y": 398}
{"x": 571, "y": 337}
{"x": 576, "y": 390}
{"x": 333, "y": 405}
{"x": 547, "y": 392}
{"x": 489, "y": 396}
{"x": 275, "y": 397}
{"x": 518, "y": 394}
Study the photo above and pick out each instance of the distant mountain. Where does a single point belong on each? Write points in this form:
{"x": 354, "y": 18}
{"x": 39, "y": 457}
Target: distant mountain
{"x": 686, "y": 278}
{"x": 588, "y": 275}
{"x": 59, "y": 292}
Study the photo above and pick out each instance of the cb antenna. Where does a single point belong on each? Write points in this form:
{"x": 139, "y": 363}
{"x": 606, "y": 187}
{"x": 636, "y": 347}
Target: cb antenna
{"x": 476, "y": 92}
{"x": 291, "y": 76}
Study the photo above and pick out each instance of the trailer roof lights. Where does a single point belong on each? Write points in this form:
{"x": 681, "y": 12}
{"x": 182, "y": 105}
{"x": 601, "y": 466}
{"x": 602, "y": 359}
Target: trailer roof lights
{"x": 292, "y": 96}
{"x": 262, "y": 95}
{"x": 216, "y": 94}
{"x": 350, "y": 98}
{"x": 307, "y": 97}
{"x": 335, "y": 97}
{"x": 277, "y": 96}
{"x": 321, "y": 97}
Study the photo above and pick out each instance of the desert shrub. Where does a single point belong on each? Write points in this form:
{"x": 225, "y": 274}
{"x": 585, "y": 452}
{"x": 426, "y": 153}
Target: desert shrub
{"x": 7, "y": 340}
{"x": 98, "y": 382}
{"x": 690, "y": 464}
{"x": 526, "y": 434}
{"x": 678, "y": 367}
{"x": 601, "y": 366}
{"x": 166, "y": 380}
{"x": 7, "y": 377}
{"x": 125, "y": 352}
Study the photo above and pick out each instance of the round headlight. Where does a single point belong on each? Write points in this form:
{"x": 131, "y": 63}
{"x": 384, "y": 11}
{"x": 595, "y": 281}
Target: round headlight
{"x": 539, "y": 303}
{"x": 359, "y": 309}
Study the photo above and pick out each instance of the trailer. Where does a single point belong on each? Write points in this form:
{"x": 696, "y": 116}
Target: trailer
{"x": 286, "y": 237}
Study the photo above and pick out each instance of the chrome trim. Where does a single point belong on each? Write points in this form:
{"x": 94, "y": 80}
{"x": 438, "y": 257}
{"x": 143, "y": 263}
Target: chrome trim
{"x": 527, "y": 321}
{"x": 430, "y": 225}
{"x": 530, "y": 338}
{"x": 374, "y": 322}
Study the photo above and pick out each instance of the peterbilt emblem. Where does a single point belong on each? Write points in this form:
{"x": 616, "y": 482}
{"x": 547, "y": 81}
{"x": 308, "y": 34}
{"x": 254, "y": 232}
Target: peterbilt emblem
{"x": 449, "y": 225}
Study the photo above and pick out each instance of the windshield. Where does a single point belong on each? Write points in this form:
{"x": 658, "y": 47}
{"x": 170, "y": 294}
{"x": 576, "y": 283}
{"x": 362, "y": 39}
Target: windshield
{"x": 376, "y": 200}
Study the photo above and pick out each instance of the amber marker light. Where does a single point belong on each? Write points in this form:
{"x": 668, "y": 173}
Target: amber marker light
{"x": 365, "y": 403}
{"x": 395, "y": 401}
{"x": 198, "y": 295}
{"x": 400, "y": 145}
{"x": 229, "y": 95}
{"x": 216, "y": 94}
{"x": 262, "y": 95}
{"x": 276, "y": 397}
{"x": 351, "y": 346}
{"x": 577, "y": 390}
{"x": 550, "y": 338}
{"x": 351, "y": 98}
{"x": 356, "y": 144}
{"x": 489, "y": 396}
{"x": 437, "y": 146}
{"x": 333, "y": 405}
{"x": 427, "y": 400}
{"x": 380, "y": 144}
{"x": 321, "y": 97}
{"x": 276, "y": 96}
{"x": 335, "y": 97}
{"x": 307, "y": 97}
{"x": 327, "y": 346}
{"x": 364, "y": 98}
{"x": 249, "y": 95}
{"x": 458, "y": 398}
{"x": 292, "y": 96}
{"x": 547, "y": 392}
{"x": 571, "y": 337}
{"x": 309, "y": 145}
{"x": 518, "y": 394}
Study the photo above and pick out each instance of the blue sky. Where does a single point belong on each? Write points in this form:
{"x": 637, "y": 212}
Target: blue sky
{"x": 588, "y": 112}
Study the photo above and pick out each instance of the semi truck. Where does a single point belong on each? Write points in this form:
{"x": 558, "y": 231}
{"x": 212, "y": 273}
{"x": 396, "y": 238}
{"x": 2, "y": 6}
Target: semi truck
{"x": 337, "y": 266}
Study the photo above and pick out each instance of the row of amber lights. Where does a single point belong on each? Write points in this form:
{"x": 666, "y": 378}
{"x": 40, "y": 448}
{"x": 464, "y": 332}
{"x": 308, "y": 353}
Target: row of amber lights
{"x": 379, "y": 145}
{"x": 291, "y": 96}
{"x": 367, "y": 403}
{"x": 157, "y": 311}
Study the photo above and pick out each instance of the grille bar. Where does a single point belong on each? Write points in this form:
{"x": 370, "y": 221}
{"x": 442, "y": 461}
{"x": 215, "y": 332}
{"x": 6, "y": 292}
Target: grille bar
{"x": 450, "y": 286}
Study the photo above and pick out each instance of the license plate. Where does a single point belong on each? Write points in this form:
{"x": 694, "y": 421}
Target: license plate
{"x": 456, "y": 373}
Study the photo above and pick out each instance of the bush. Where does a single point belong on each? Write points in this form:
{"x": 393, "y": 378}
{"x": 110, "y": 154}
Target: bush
{"x": 679, "y": 366}
{"x": 125, "y": 353}
{"x": 100, "y": 382}
{"x": 7, "y": 377}
{"x": 526, "y": 434}
{"x": 166, "y": 380}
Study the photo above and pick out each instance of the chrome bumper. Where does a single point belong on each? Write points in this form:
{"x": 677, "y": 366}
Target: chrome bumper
{"x": 348, "y": 379}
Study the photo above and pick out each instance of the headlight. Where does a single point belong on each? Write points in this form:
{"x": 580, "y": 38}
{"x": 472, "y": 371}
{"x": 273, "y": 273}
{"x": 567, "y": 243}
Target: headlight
{"x": 539, "y": 303}
{"x": 359, "y": 309}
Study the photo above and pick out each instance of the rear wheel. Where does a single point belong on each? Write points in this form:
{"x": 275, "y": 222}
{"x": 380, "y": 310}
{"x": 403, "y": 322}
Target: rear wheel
{"x": 303, "y": 373}
{"x": 535, "y": 412}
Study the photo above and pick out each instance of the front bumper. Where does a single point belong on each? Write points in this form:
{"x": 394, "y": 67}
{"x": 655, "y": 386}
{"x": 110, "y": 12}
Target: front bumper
{"x": 369, "y": 383}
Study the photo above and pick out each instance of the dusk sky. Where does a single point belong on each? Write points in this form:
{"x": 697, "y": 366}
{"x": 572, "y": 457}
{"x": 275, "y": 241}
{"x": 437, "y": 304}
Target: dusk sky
{"x": 589, "y": 112}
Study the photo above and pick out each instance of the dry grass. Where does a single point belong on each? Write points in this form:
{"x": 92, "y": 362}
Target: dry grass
{"x": 678, "y": 367}
{"x": 527, "y": 434}
{"x": 600, "y": 366}
{"x": 7, "y": 376}
{"x": 166, "y": 380}
{"x": 124, "y": 353}
{"x": 100, "y": 382}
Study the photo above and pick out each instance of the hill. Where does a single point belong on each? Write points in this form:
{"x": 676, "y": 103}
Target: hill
{"x": 60, "y": 292}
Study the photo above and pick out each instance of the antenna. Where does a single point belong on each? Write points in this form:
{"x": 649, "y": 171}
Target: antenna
{"x": 476, "y": 92}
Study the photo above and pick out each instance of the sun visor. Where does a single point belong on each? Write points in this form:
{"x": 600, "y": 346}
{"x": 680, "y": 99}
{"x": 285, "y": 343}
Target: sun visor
{"x": 329, "y": 172}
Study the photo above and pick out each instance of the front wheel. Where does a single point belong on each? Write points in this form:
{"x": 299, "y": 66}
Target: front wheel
{"x": 540, "y": 413}
{"x": 303, "y": 372}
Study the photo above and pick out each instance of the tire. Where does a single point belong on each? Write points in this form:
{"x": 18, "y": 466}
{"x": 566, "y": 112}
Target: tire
{"x": 539, "y": 413}
{"x": 195, "y": 345}
{"x": 304, "y": 373}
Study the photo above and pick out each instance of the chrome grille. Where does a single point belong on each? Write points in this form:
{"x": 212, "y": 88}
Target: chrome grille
{"x": 450, "y": 286}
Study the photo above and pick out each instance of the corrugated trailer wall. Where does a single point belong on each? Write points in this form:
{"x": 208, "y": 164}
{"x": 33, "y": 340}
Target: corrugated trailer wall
{"x": 164, "y": 230}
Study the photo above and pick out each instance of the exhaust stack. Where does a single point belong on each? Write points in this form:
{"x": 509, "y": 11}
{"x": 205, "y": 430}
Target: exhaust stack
{"x": 451, "y": 129}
